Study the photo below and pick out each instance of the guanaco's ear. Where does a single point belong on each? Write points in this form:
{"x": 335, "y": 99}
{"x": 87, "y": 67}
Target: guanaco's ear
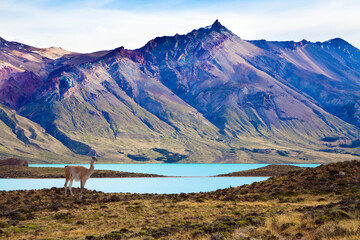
{"x": 94, "y": 158}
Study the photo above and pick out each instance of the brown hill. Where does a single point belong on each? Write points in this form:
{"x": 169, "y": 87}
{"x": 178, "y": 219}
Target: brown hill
{"x": 336, "y": 178}
{"x": 267, "y": 171}
{"x": 14, "y": 161}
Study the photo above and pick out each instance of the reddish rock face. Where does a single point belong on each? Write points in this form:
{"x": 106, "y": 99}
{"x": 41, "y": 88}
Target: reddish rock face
{"x": 14, "y": 161}
{"x": 19, "y": 88}
{"x": 5, "y": 73}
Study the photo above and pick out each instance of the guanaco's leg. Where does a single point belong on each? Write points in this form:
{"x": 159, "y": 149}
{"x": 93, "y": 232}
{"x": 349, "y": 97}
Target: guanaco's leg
{"x": 65, "y": 185}
{"x": 83, "y": 181}
{"x": 71, "y": 182}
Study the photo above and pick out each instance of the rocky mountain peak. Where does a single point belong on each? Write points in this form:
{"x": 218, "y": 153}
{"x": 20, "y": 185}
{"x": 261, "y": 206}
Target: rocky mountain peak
{"x": 342, "y": 46}
{"x": 213, "y": 35}
{"x": 121, "y": 52}
{"x": 217, "y": 25}
{"x": 303, "y": 42}
{"x": 337, "y": 42}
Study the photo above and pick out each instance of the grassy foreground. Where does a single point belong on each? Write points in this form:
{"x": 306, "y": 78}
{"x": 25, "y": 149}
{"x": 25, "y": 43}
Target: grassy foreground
{"x": 313, "y": 203}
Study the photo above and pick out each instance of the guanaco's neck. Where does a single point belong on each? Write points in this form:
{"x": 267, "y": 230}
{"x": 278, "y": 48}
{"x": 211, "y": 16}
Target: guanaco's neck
{"x": 91, "y": 167}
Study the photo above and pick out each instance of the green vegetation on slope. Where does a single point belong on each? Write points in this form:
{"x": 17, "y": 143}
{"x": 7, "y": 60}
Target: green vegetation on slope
{"x": 23, "y": 138}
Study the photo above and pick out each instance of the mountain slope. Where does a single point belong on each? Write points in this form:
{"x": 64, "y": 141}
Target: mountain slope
{"x": 208, "y": 68}
{"x": 328, "y": 72}
{"x": 23, "y": 138}
{"x": 148, "y": 117}
{"x": 207, "y": 96}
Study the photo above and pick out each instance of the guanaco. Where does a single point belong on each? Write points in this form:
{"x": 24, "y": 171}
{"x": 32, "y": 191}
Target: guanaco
{"x": 78, "y": 173}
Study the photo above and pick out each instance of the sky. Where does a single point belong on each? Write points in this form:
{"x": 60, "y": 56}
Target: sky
{"x": 94, "y": 25}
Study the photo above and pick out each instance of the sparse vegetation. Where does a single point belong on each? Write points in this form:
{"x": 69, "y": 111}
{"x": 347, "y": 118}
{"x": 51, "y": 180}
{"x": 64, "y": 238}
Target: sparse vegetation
{"x": 169, "y": 157}
{"x": 317, "y": 203}
{"x": 138, "y": 157}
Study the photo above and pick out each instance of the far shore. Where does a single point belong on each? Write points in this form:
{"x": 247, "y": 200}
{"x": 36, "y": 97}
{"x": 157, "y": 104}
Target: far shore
{"x": 267, "y": 171}
{"x": 16, "y": 171}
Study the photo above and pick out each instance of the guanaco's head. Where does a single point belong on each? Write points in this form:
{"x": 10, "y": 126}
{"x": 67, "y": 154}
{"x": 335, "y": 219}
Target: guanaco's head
{"x": 94, "y": 159}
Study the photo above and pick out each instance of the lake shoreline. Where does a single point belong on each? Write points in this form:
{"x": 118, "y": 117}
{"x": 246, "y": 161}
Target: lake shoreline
{"x": 13, "y": 171}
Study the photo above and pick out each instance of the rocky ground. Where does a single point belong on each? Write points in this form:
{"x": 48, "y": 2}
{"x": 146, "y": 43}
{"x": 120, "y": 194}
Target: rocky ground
{"x": 312, "y": 203}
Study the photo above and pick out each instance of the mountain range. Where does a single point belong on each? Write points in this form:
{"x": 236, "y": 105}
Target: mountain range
{"x": 206, "y": 96}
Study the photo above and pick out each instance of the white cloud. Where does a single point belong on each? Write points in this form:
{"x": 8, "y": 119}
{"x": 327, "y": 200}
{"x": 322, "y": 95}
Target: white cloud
{"x": 315, "y": 22}
{"x": 87, "y": 29}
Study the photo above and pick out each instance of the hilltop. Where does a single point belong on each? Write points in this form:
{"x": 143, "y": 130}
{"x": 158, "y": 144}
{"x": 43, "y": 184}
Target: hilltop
{"x": 267, "y": 171}
{"x": 334, "y": 178}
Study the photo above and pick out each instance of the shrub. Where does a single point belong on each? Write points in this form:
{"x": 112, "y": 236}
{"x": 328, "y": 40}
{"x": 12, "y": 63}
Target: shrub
{"x": 200, "y": 199}
{"x": 62, "y": 216}
{"x": 30, "y": 216}
{"x": 3, "y": 225}
{"x": 169, "y": 157}
{"x": 80, "y": 222}
{"x": 31, "y": 226}
{"x": 17, "y": 216}
{"x": 140, "y": 158}
{"x": 18, "y": 230}
{"x": 285, "y": 226}
{"x": 133, "y": 208}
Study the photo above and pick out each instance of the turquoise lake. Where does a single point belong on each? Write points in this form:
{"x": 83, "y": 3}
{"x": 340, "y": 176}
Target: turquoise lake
{"x": 136, "y": 185}
{"x": 189, "y": 178}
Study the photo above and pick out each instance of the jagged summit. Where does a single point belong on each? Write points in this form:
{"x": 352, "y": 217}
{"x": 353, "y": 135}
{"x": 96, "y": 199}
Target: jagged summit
{"x": 216, "y": 26}
{"x": 303, "y": 42}
{"x": 204, "y": 34}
